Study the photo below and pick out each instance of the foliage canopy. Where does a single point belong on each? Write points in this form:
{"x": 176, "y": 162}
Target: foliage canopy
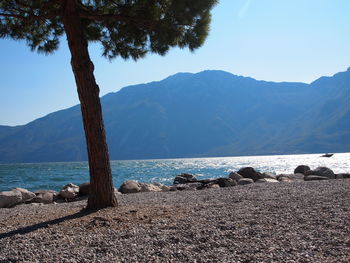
{"x": 126, "y": 28}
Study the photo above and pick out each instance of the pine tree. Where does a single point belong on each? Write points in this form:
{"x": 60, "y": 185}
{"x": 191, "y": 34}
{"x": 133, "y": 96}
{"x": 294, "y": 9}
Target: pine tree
{"x": 125, "y": 28}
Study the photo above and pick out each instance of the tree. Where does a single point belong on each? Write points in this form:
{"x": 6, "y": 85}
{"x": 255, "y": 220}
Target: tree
{"x": 125, "y": 28}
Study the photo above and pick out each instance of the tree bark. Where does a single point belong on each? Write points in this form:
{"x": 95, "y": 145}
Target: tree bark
{"x": 101, "y": 192}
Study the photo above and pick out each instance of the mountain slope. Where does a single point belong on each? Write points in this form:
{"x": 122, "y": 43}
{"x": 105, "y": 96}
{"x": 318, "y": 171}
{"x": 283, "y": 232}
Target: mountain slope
{"x": 211, "y": 113}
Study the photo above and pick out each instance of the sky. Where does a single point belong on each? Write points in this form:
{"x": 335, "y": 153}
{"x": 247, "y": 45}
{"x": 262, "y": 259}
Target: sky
{"x": 274, "y": 40}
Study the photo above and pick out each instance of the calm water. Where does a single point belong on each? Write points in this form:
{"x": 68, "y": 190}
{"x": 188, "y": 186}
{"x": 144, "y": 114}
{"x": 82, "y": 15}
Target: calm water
{"x": 55, "y": 175}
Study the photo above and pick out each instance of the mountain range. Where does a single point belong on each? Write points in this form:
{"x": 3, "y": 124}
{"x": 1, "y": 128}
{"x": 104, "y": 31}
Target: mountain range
{"x": 211, "y": 113}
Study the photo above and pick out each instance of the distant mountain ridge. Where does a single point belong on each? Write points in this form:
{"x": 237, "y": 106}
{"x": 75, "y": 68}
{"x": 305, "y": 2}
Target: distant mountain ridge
{"x": 211, "y": 113}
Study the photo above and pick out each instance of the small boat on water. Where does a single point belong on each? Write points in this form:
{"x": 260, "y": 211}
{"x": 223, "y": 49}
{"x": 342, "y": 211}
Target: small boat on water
{"x": 327, "y": 155}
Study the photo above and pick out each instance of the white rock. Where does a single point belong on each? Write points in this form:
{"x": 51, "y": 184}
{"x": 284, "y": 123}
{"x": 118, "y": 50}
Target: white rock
{"x": 26, "y": 195}
{"x": 149, "y": 188}
{"x": 267, "y": 180}
{"x": 129, "y": 187}
{"x": 10, "y": 198}
{"x": 69, "y": 191}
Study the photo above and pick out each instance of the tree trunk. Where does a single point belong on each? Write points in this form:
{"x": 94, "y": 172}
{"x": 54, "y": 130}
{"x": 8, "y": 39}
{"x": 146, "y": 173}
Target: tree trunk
{"x": 101, "y": 185}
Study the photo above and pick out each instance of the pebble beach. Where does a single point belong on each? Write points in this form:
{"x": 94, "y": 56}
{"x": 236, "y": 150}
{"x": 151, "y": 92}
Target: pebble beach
{"x": 282, "y": 222}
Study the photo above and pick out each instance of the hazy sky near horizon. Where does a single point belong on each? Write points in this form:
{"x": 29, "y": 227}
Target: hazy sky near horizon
{"x": 275, "y": 40}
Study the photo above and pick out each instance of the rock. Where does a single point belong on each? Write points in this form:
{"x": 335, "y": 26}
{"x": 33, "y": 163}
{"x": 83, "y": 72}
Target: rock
{"x": 285, "y": 180}
{"x": 268, "y": 175}
{"x": 185, "y": 179}
{"x": 207, "y": 181}
{"x": 302, "y": 169}
{"x": 130, "y": 187}
{"x": 69, "y": 191}
{"x": 188, "y": 186}
{"x": 44, "y": 196}
{"x": 249, "y": 172}
{"x": 315, "y": 178}
{"x": 225, "y": 182}
{"x": 322, "y": 171}
{"x": 212, "y": 186}
{"x": 163, "y": 187}
{"x": 245, "y": 181}
{"x": 342, "y": 176}
{"x": 10, "y": 198}
{"x": 291, "y": 177}
{"x": 267, "y": 180}
{"x": 26, "y": 195}
{"x": 149, "y": 188}
{"x": 84, "y": 189}
{"x": 235, "y": 176}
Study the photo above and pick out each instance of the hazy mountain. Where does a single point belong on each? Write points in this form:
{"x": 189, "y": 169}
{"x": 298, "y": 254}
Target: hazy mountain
{"x": 211, "y": 113}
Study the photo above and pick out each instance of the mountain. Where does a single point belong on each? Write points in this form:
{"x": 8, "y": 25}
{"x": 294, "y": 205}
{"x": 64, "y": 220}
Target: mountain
{"x": 211, "y": 113}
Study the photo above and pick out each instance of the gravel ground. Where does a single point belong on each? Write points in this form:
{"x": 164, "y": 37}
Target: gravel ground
{"x": 276, "y": 222}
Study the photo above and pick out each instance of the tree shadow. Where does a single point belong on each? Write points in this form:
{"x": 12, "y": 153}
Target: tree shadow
{"x": 32, "y": 228}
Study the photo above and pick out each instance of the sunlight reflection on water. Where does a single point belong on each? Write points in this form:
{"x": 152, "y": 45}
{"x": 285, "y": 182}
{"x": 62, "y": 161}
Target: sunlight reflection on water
{"x": 55, "y": 175}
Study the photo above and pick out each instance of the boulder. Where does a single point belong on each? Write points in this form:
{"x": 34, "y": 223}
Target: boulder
{"x": 245, "y": 181}
{"x": 185, "y": 179}
{"x": 249, "y": 172}
{"x": 149, "y": 188}
{"x": 291, "y": 177}
{"x": 225, "y": 182}
{"x": 235, "y": 176}
{"x": 163, "y": 187}
{"x": 188, "y": 187}
{"x": 10, "y": 198}
{"x": 322, "y": 171}
{"x": 69, "y": 191}
{"x": 84, "y": 189}
{"x": 267, "y": 180}
{"x": 130, "y": 187}
{"x": 302, "y": 169}
{"x": 207, "y": 181}
{"x": 212, "y": 186}
{"x": 285, "y": 180}
{"x": 44, "y": 196}
{"x": 342, "y": 176}
{"x": 26, "y": 195}
{"x": 269, "y": 175}
{"x": 315, "y": 178}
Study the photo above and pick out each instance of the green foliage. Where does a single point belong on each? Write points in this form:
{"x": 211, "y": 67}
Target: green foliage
{"x": 126, "y": 28}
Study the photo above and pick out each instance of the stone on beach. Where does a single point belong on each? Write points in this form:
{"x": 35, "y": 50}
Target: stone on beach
{"x": 322, "y": 171}
{"x": 267, "y": 180}
{"x": 26, "y": 195}
{"x": 290, "y": 177}
{"x": 302, "y": 169}
{"x": 69, "y": 191}
{"x": 245, "y": 181}
{"x": 187, "y": 187}
{"x": 342, "y": 176}
{"x": 249, "y": 172}
{"x": 315, "y": 178}
{"x": 185, "y": 178}
{"x": 10, "y": 198}
{"x": 130, "y": 187}
{"x": 149, "y": 188}
{"x": 235, "y": 176}
{"x": 44, "y": 196}
{"x": 225, "y": 182}
{"x": 268, "y": 175}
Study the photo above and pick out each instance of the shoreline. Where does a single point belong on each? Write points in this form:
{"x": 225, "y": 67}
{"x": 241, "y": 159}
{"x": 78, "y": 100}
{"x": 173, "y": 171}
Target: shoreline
{"x": 286, "y": 222}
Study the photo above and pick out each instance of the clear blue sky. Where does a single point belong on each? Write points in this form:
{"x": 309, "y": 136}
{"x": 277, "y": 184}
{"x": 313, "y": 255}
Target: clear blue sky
{"x": 277, "y": 40}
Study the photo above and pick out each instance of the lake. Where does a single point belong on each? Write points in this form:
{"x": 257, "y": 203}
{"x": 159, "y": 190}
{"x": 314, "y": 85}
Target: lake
{"x": 53, "y": 176}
